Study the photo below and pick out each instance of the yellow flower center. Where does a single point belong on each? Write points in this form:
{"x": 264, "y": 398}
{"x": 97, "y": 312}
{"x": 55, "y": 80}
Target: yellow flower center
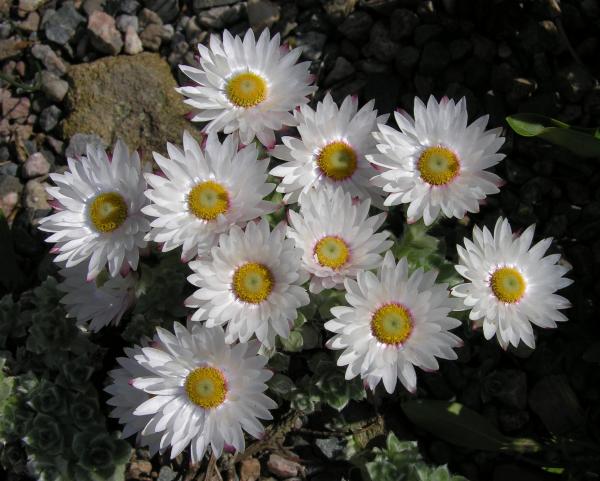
{"x": 508, "y": 285}
{"x": 206, "y": 387}
{"x": 246, "y": 89}
{"x": 108, "y": 211}
{"x": 337, "y": 160}
{"x": 391, "y": 324}
{"x": 252, "y": 282}
{"x": 332, "y": 252}
{"x": 207, "y": 200}
{"x": 438, "y": 165}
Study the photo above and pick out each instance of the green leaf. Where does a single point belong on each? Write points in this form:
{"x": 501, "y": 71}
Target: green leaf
{"x": 293, "y": 343}
{"x": 583, "y": 142}
{"x": 456, "y": 424}
{"x": 281, "y": 385}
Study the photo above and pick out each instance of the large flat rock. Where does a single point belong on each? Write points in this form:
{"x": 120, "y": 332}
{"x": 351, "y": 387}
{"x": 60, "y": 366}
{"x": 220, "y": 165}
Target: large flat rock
{"x": 131, "y": 97}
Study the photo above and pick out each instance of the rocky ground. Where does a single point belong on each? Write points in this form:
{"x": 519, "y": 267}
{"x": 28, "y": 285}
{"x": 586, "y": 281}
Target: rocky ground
{"x": 79, "y": 71}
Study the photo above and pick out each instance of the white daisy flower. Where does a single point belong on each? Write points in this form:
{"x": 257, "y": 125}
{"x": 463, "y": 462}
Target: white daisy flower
{"x": 437, "y": 162}
{"x": 100, "y": 219}
{"x": 203, "y": 391}
{"x": 204, "y": 192}
{"x": 248, "y": 85}
{"x": 337, "y": 237}
{"x": 511, "y": 284}
{"x": 252, "y": 283}
{"x": 96, "y": 303}
{"x": 125, "y": 398}
{"x": 331, "y": 151}
{"x": 394, "y": 322}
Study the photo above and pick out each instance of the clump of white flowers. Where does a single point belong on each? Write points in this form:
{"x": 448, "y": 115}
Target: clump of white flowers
{"x": 203, "y": 385}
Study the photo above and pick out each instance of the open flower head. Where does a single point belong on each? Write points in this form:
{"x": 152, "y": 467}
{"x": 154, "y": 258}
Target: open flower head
{"x": 204, "y": 192}
{"x": 395, "y": 322}
{"x": 99, "y": 302}
{"x": 247, "y": 86}
{"x": 125, "y": 398}
{"x": 99, "y": 202}
{"x": 437, "y": 163}
{"x": 252, "y": 283}
{"x": 199, "y": 391}
{"x": 337, "y": 237}
{"x": 511, "y": 284}
{"x": 331, "y": 151}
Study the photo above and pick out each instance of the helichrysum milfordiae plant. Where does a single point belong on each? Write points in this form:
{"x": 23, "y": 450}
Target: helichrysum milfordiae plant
{"x": 511, "y": 284}
{"x": 331, "y": 150}
{"x": 437, "y": 163}
{"x": 247, "y": 86}
{"x": 202, "y": 387}
{"x": 99, "y": 218}
{"x": 200, "y": 390}
{"x": 205, "y": 191}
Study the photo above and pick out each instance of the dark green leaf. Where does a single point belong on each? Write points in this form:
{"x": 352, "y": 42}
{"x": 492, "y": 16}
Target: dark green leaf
{"x": 583, "y": 142}
{"x": 456, "y": 424}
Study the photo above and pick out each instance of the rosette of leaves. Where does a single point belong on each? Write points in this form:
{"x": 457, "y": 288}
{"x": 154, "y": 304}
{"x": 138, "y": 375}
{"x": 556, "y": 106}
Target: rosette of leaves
{"x": 400, "y": 460}
{"x": 97, "y": 455}
{"x": 12, "y": 324}
{"x": 51, "y": 401}
{"x": 326, "y": 385}
{"x": 160, "y": 293}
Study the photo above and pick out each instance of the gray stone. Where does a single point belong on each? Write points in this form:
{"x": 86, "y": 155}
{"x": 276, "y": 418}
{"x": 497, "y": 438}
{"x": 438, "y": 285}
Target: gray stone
{"x": 133, "y": 43}
{"x": 35, "y": 198}
{"x": 403, "y": 23}
{"x": 8, "y": 168}
{"x": 341, "y": 70}
{"x": 61, "y": 25}
{"x": 147, "y": 17}
{"x": 4, "y": 153}
{"x": 312, "y": 44}
{"x": 434, "y": 59}
{"x": 151, "y": 37}
{"x": 460, "y": 48}
{"x": 507, "y": 386}
{"x": 166, "y": 474}
{"x": 26, "y": 6}
{"x": 262, "y": 14}
{"x": 128, "y": 6}
{"x": 31, "y": 23}
{"x": 220, "y": 17}
{"x": 338, "y": 10}
{"x": 356, "y": 26}
{"x": 78, "y": 144}
{"x": 124, "y": 21}
{"x": 131, "y": 97}
{"x": 54, "y": 87}
{"x": 406, "y": 59}
{"x": 35, "y": 166}
{"x": 424, "y": 33}
{"x": 91, "y": 6}
{"x": 332, "y": 448}
{"x": 205, "y": 4}
{"x": 574, "y": 83}
{"x": 5, "y": 30}
{"x": 282, "y": 467}
{"x": 104, "y": 34}
{"x": 380, "y": 45}
{"x": 167, "y": 10}
{"x": 49, "y": 118}
{"x": 48, "y": 57}
{"x": 10, "y": 191}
